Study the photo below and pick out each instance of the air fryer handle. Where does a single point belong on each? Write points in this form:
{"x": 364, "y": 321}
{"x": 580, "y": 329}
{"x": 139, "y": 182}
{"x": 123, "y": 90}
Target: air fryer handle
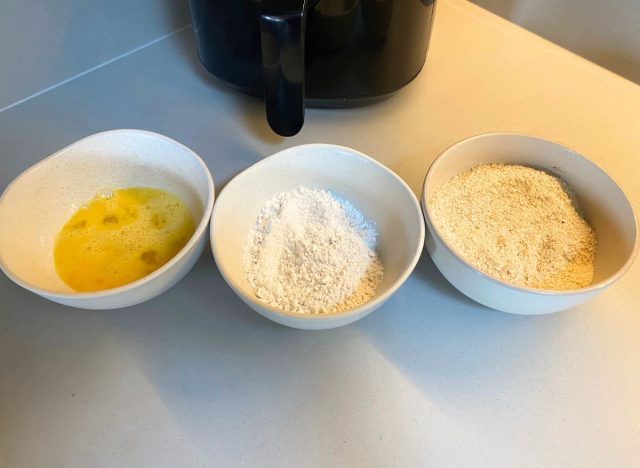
{"x": 282, "y": 26}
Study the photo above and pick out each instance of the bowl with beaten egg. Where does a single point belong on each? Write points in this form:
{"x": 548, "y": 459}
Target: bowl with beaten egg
{"x": 110, "y": 221}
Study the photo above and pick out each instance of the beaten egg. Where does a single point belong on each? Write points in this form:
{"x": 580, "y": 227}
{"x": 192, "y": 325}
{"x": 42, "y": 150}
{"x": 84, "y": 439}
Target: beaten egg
{"x": 121, "y": 236}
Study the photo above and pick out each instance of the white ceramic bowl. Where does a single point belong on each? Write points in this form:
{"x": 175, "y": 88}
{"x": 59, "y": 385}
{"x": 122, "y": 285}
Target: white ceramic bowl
{"x": 379, "y": 193}
{"x": 603, "y": 202}
{"x": 36, "y": 204}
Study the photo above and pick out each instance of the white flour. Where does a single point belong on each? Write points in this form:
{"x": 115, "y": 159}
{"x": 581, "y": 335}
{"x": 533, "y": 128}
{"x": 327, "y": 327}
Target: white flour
{"x": 312, "y": 252}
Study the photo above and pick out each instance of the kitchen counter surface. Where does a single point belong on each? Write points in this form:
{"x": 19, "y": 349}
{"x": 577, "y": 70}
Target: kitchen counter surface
{"x": 196, "y": 378}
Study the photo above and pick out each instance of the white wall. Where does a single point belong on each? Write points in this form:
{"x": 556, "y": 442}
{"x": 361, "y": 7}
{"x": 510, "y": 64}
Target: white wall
{"x": 606, "y": 32}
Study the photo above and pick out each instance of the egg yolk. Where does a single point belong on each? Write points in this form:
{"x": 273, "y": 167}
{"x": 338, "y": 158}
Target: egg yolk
{"x": 121, "y": 236}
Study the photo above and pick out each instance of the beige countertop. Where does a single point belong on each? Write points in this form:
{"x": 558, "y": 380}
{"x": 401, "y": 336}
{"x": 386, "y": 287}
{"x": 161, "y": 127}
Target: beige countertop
{"x": 195, "y": 378}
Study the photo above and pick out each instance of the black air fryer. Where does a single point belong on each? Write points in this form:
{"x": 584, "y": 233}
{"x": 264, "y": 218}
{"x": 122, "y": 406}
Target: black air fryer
{"x": 326, "y": 53}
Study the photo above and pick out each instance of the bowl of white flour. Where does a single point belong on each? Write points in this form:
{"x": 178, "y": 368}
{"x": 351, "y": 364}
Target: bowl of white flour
{"x": 524, "y": 225}
{"x": 316, "y": 236}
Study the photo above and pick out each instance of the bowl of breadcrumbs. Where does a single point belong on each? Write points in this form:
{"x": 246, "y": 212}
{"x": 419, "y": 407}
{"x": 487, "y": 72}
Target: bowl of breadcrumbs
{"x": 524, "y": 225}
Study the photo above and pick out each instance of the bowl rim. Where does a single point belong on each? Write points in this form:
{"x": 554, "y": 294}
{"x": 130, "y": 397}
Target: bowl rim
{"x": 600, "y": 285}
{"x": 201, "y": 227}
{"x": 362, "y": 308}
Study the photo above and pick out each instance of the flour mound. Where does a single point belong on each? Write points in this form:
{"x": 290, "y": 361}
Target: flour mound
{"x": 312, "y": 252}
